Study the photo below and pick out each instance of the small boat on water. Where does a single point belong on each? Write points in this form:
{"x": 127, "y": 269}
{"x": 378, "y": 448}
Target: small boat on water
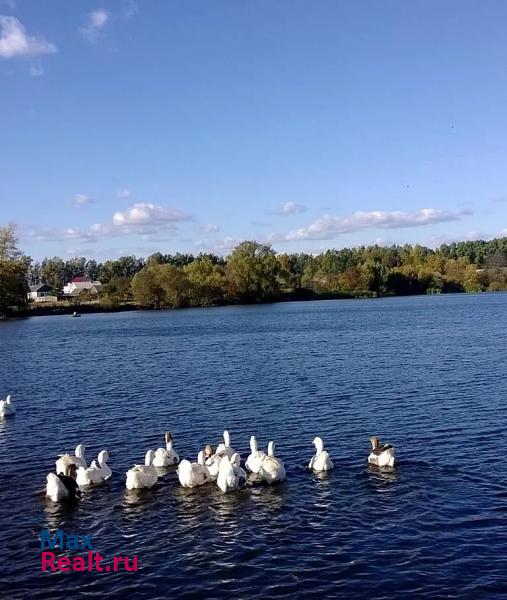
{"x": 75, "y": 314}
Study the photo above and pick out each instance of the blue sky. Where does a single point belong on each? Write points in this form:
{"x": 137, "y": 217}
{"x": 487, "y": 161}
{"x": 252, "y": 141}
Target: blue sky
{"x": 131, "y": 127}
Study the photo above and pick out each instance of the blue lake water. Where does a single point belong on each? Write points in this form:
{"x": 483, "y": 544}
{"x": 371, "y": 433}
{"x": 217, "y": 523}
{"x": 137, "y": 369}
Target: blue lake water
{"x": 428, "y": 374}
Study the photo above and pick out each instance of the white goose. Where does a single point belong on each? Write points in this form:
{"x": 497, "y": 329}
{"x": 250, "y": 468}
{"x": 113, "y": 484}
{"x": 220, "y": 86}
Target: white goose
{"x": 95, "y": 473}
{"x": 7, "y": 408}
{"x": 67, "y": 459}
{"x": 142, "y": 476}
{"x": 382, "y": 455}
{"x": 212, "y": 462}
{"x": 320, "y": 461}
{"x": 193, "y": 474}
{"x": 230, "y": 475}
{"x": 272, "y": 469}
{"x": 62, "y": 487}
{"x": 224, "y": 449}
{"x": 165, "y": 457}
{"x": 255, "y": 458}
{"x": 55, "y": 488}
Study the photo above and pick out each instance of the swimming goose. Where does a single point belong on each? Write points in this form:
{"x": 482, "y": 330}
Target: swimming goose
{"x": 95, "y": 473}
{"x": 63, "y": 487}
{"x": 224, "y": 449}
{"x": 255, "y": 458}
{"x": 230, "y": 474}
{"x": 193, "y": 474}
{"x": 7, "y": 407}
{"x": 320, "y": 461}
{"x": 272, "y": 469}
{"x": 165, "y": 457}
{"x": 238, "y": 470}
{"x": 212, "y": 462}
{"x": 171, "y": 453}
{"x": 142, "y": 476}
{"x": 55, "y": 488}
{"x": 381, "y": 455}
{"x": 67, "y": 459}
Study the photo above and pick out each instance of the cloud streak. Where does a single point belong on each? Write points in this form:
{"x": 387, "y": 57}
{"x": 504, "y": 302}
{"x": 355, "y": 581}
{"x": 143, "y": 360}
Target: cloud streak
{"x": 15, "y": 41}
{"x": 124, "y": 193}
{"x": 80, "y": 200}
{"x": 94, "y": 25}
{"x": 220, "y": 247}
{"x": 291, "y": 208}
{"x": 329, "y": 227}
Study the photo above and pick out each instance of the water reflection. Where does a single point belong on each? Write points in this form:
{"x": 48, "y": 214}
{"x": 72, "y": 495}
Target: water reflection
{"x": 271, "y": 498}
{"x": 56, "y": 515}
{"x": 382, "y": 474}
{"x": 4, "y": 426}
{"x": 324, "y": 477}
{"x": 136, "y": 502}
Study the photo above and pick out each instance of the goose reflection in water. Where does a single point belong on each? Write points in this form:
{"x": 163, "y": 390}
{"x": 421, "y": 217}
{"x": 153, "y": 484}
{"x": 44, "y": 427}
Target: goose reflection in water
{"x": 56, "y": 515}
{"x": 137, "y": 502}
{"x": 4, "y": 428}
{"x": 382, "y": 474}
{"x": 269, "y": 498}
{"x": 323, "y": 477}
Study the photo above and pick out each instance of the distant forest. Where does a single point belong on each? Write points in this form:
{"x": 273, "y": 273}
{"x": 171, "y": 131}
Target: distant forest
{"x": 254, "y": 272}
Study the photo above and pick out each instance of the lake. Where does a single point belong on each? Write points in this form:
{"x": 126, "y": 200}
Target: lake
{"x": 428, "y": 374}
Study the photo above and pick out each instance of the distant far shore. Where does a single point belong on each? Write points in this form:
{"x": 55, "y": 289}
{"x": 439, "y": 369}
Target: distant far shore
{"x": 40, "y": 309}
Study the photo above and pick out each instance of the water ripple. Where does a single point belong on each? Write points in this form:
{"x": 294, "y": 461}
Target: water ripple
{"x": 428, "y": 374}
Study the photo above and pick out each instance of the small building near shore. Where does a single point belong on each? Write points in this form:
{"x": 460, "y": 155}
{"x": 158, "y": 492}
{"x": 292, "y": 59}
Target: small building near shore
{"x": 41, "y": 292}
{"x": 79, "y": 284}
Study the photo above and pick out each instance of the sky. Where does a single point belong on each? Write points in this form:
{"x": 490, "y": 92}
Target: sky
{"x": 129, "y": 127}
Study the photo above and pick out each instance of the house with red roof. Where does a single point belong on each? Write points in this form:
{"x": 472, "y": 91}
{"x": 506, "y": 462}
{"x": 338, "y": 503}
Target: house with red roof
{"x": 79, "y": 284}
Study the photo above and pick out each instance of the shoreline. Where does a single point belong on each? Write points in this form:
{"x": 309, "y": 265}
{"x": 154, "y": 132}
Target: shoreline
{"x": 55, "y": 310}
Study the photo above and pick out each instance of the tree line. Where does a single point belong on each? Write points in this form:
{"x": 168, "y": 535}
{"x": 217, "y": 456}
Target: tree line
{"x": 254, "y": 272}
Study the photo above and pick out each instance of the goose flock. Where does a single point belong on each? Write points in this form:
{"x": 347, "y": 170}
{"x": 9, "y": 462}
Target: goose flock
{"x": 220, "y": 466}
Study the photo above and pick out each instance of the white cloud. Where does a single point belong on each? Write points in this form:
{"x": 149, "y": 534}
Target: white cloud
{"x": 94, "y": 25}
{"x": 124, "y": 193}
{"x": 220, "y": 247}
{"x": 211, "y": 228}
{"x": 140, "y": 219}
{"x": 328, "y": 227}
{"x": 291, "y": 208}
{"x": 146, "y": 216}
{"x": 15, "y": 41}
{"x": 81, "y": 200}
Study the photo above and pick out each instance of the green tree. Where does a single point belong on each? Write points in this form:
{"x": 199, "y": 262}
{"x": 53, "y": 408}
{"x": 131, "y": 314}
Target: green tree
{"x": 376, "y": 274}
{"x": 53, "y": 273}
{"x": 207, "y": 282}
{"x": 252, "y": 271}
{"x": 146, "y": 289}
{"x": 74, "y": 267}
{"x": 117, "y": 291}
{"x": 160, "y": 286}
{"x": 14, "y": 267}
{"x": 471, "y": 281}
